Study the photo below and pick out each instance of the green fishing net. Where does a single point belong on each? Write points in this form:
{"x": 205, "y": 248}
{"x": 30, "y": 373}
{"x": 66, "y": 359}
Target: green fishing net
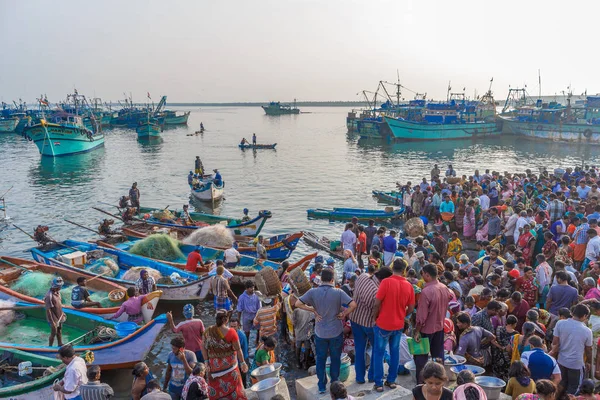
{"x": 102, "y": 265}
{"x": 159, "y": 247}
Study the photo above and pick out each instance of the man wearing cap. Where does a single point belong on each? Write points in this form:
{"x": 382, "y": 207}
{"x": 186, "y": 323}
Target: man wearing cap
{"x": 330, "y": 263}
{"x": 54, "y": 312}
{"x": 192, "y": 330}
{"x": 420, "y": 263}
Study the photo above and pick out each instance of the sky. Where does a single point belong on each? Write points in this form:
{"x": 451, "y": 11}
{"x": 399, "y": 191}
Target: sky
{"x": 321, "y": 50}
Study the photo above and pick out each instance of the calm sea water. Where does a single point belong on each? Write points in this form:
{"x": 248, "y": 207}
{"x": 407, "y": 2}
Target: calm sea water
{"x": 316, "y": 164}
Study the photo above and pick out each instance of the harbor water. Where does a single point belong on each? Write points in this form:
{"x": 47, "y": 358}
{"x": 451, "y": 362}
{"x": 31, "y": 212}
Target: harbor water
{"x": 317, "y": 163}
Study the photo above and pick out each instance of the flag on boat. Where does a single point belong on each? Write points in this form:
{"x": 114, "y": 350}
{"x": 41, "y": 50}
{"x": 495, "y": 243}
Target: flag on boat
{"x": 149, "y": 95}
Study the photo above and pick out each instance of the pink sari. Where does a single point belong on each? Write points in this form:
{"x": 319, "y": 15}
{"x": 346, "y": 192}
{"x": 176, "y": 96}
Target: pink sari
{"x": 482, "y": 233}
{"x": 469, "y": 222}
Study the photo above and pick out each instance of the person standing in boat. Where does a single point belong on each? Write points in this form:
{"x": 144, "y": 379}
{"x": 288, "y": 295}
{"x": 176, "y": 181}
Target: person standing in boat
{"x": 231, "y": 256}
{"x": 146, "y": 283}
{"x": 201, "y": 127}
{"x": 198, "y": 166}
{"x": 80, "y": 297}
{"x": 254, "y": 139}
{"x": 191, "y": 178}
{"x": 134, "y": 196}
{"x": 261, "y": 251}
{"x": 54, "y": 312}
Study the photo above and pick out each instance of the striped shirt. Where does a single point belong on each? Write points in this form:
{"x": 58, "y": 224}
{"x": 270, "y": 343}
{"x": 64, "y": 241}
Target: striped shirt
{"x": 580, "y": 235}
{"x": 365, "y": 289}
{"x": 266, "y": 317}
{"x": 96, "y": 391}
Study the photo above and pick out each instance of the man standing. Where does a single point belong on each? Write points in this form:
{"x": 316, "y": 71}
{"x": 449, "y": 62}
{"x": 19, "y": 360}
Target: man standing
{"x": 348, "y": 238}
{"x": 350, "y": 265}
{"x": 494, "y": 224}
{"x": 572, "y": 342}
{"x": 75, "y": 374}
{"x": 395, "y": 299}
{"x": 254, "y": 139}
{"x": 433, "y": 304}
{"x": 556, "y": 208}
{"x": 192, "y": 330}
{"x": 361, "y": 246}
{"x": 562, "y": 295}
{"x": 390, "y": 245}
{"x": 54, "y": 313}
{"x": 95, "y": 389}
{"x": 370, "y": 231}
{"x": 247, "y": 307}
{"x": 180, "y": 363}
{"x": 219, "y": 287}
{"x": 198, "y": 166}
{"x": 592, "y": 250}
{"x": 326, "y": 302}
{"x": 134, "y": 197}
{"x": 540, "y": 364}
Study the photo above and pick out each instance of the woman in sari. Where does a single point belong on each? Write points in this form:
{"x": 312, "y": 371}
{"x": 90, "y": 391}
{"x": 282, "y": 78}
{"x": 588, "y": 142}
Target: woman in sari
{"x": 221, "y": 349}
{"x": 469, "y": 221}
{"x": 482, "y": 232}
{"x": 518, "y": 307}
{"x": 527, "y": 286}
{"x": 478, "y": 212}
{"x": 550, "y": 248}
{"x": 459, "y": 213}
{"x": 526, "y": 244}
{"x": 501, "y": 353}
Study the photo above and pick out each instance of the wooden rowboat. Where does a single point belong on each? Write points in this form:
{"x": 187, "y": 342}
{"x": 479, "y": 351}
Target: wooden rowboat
{"x": 323, "y": 244}
{"x": 345, "y": 214}
{"x": 394, "y": 198}
{"x": 256, "y": 146}
{"x": 32, "y": 386}
{"x": 86, "y": 332}
{"x": 10, "y": 274}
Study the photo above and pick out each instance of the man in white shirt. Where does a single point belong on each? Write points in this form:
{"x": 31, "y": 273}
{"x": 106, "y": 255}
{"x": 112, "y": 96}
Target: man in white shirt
{"x": 231, "y": 256}
{"x": 510, "y": 227}
{"x": 348, "y": 238}
{"x": 75, "y": 374}
{"x": 592, "y": 250}
{"x": 583, "y": 190}
{"x": 520, "y": 225}
{"x": 484, "y": 200}
{"x": 213, "y": 271}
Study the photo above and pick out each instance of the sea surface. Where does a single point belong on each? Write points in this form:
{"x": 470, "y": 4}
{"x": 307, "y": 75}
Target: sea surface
{"x": 317, "y": 164}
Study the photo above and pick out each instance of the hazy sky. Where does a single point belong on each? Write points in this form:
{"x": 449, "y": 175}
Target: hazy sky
{"x": 260, "y": 50}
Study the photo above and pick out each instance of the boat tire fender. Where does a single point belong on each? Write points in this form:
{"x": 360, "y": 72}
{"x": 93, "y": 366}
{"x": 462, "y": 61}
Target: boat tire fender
{"x": 587, "y": 133}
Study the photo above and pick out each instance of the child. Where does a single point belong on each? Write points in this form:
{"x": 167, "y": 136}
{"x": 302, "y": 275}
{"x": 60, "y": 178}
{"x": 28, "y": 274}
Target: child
{"x": 586, "y": 391}
{"x": 434, "y": 377}
{"x": 520, "y": 380}
{"x": 265, "y": 354}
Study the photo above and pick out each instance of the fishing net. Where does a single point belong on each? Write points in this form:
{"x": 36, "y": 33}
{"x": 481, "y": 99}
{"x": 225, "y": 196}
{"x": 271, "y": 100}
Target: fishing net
{"x": 34, "y": 284}
{"x": 6, "y": 316}
{"x": 101, "y": 297}
{"x": 211, "y": 236}
{"x": 163, "y": 215}
{"x": 160, "y": 247}
{"x": 104, "y": 265}
{"x": 133, "y": 274}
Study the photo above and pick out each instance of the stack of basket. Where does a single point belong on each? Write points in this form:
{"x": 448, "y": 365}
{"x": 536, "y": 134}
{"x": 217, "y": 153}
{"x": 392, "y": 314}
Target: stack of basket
{"x": 267, "y": 282}
{"x": 298, "y": 281}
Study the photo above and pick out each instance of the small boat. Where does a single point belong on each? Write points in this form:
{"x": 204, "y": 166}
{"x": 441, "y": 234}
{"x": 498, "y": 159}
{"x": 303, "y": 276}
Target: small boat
{"x": 8, "y": 125}
{"x": 323, "y": 244}
{"x": 60, "y": 254}
{"x": 393, "y": 197}
{"x": 256, "y": 146}
{"x": 348, "y": 213}
{"x": 276, "y": 108}
{"x": 171, "y": 118}
{"x": 33, "y": 386}
{"x": 236, "y": 226}
{"x": 9, "y": 275}
{"x": 148, "y": 128}
{"x": 65, "y": 135}
{"x": 86, "y": 332}
{"x": 208, "y": 190}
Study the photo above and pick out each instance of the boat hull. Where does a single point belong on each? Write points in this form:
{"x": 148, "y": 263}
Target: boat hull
{"x": 209, "y": 192}
{"x": 278, "y": 111}
{"x": 373, "y": 129}
{"x": 405, "y": 130}
{"x": 344, "y": 214}
{"x": 177, "y": 120}
{"x": 148, "y": 130}
{"x": 394, "y": 198}
{"x": 63, "y": 140}
{"x": 36, "y": 389}
{"x": 257, "y": 146}
{"x": 568, "y": 133}
{"x": 9, "y": 125}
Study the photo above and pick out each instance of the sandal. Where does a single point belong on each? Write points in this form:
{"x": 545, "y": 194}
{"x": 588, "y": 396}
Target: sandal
{"x": 378, "y": 389}
{"x": 391, "y": 385}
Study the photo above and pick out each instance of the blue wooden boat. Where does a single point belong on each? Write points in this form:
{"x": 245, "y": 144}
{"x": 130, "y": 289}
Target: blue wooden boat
{"x": 55, "y": 255}
{"x": 348, "y": 213}
{"x": 26, "y": 334}
{"x": 209, "y": 190}
{"x": 65, "y": 135}
{"x": 393, "y": 197}
{"x": 148, "y": 128}
{"x": 244, "y": 146}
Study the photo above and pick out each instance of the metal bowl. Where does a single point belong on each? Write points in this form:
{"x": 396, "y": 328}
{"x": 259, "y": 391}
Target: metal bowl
{"x": 451, "y": 361}
{"x": 477, "y": 371}
{"x": 412, "y": 368}
{"x": 491, "y": 386}
{"x": 266, "y": 388}
{"x": 344, "y": 358}
{"x": 267, "y": 371}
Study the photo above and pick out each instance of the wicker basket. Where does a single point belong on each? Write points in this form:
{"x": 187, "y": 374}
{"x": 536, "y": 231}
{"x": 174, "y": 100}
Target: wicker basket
{"x": 298, "y": 281}
{"x": 452, "y": 180}
{"x": 268, "y": 282}
{"x": 414, "y": 227}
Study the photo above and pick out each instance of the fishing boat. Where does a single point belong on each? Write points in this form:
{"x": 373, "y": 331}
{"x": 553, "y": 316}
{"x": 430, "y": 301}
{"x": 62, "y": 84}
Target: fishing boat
{"x": 10, "y": 274}
{"x": 8, "y": 125}
{"x": 344, "y": 214}
{"x": 86, "y": 332}
{"x": 322, "y": 243}
{"x": 251, "y": 227}
{"x": 65, "y": 135}
{"x": 392, "y": 197}
{"x": 552, "y": 121}
{"x": 61, "y": 255}
{"x": 256, "y": 146}
{"x": 168, "y": 117}
{"x": 148, "y": 129}
{"x": 35, "y": 385}
{"x": 278, "y": 248}
{"x": 209, "y": 190}
{"x": 276, "y": 108}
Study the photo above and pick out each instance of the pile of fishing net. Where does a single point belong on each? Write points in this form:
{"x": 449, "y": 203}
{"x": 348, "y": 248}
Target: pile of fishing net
{"x": 35, "y": 284}
{"x": 163, "y": 215}
{"x": 158, "y": 246}
{"x": 133, "y": 274}
{"x": 211, "y": 236}
{"x": 6, "y": 316}
{"x": 104, "y": 265}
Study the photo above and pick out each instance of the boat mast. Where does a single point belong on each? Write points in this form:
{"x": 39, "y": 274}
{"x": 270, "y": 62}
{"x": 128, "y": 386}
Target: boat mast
{"x": 540, "y": 85}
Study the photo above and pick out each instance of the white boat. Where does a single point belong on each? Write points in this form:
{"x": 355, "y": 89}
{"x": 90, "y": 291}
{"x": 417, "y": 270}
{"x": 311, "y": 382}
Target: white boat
{"x": 8, "y": 125}
{"x": 208, "y": 190}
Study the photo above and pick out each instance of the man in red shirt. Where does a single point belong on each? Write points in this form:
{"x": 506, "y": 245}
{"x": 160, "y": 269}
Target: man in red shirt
{"x": 361, "y": 246}
{"x": 431, "y": 312}
{"x": 194, "y": 260}
{"x": 395, "y": 299}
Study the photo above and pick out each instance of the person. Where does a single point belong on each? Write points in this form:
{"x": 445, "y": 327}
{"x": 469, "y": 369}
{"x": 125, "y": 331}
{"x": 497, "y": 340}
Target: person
{"x": 54, "y": 312}
{"x": 561, "y": 295}
{"x": 234, "y": 323}
{"x": 572, "y": 342}
{"x": 75, "y": 373}
{"x": 587, "y": 390}
{"x": 266, "y": 318}
{"x": 390, "y": 245}
{"x": 186, "y": 218}
{"x": 350, "y": 265}
{"x": 261, "y": 251}
{"x": 141, "y": 377}
{"x": 528, "y": 285}
{"x": 132, "y": 307}
{"x": 192, "y": 330}
{"x": 264, "y": 352}
{"x": 218, "y": 179}
{"x": 190, "y": 178}
{"x": 540, "y": 364}
{"x": 348, "y": 238}
{"x": 546, "y": 390}
{"x": 348, "y": 287}
{"x": 520, "y": 380}
{"x": 326, "y": 302}
{"x": 94, "y": 389}
{"x": 455, "y": 248}
{"x": 434, "y": 378}
{"x": 254, "y": 139}
{"x": 196, "y": 388}
{"x": 219, "y": 287}
{"x": 431, "y": 312}
{"x": 362, "y": 321}
{"x": 302, "y": 321}
{"x": 80, "y": 297}
{"x": 247, "y": 307}
{"x": 361, "y": 246}
{"x": 592, "y": 250}
{"x": 395, "y": 300}
{"x": 154, "y": 392}
{"x": 180, "y": 363}
{"x": 104, "y": 228}
{"x": 221, "y": 347}
{"x": 198, "y": 166}
{"x": 134, "y": 197}
{"x": 471, "y": 340}
{"x": 371, "y": 232}
{"x": 124, "y": 202}
{"x": 450, "y": 172}
{"x": 246, "y": 217}
{"x": 194, "y": 261}
{"x": 145, "y": 284}
{"x": 338, "y": 391}
{"x": 231, "y": 256}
